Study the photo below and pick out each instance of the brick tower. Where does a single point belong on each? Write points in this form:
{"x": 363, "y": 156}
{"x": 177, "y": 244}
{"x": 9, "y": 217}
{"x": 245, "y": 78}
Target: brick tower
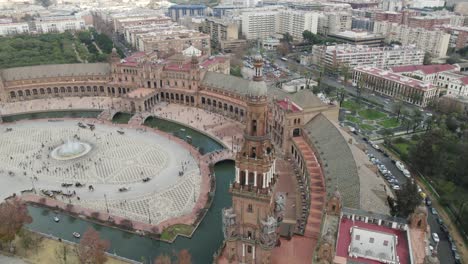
{"x": 250, "y": 226}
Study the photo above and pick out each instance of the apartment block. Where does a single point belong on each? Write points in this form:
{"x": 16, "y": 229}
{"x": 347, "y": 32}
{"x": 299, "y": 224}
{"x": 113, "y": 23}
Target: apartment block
{"x": 333, "y": 57}
{"x": 224, "y": 33}
{"x": 59, "y": 24}
{"x": 260, "y": 24}
{"x": 177, "y": 12}
{"x": 390, "y": 16}
{"x": 435, "y": 42}
{"x": 458, "y": 35}
{"x": 395, "y": 85}
{"x": 356, "y": 37}
{"x": 333, "y": 22}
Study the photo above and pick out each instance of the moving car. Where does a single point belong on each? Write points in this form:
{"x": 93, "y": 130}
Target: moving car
{"x": 400, "y": 165}
{"x": 435, "y": 236}
{"x": 434, "y": 211}
{"x": 406, "y": 173}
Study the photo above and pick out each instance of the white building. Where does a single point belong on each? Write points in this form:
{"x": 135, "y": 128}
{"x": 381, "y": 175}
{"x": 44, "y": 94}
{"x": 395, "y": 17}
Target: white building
{"x": 59, "y": 24}
{"x": 445, "y": 76}
{"x": 333, "y": 22}
{"x": 260, "y": 24}
{"x": 435, "y": 42}
{"x": 426, "y": 3}
{"x": 357, "y": 55}
{"x": 391, "y": 5}
{"x": 11, "y": 28}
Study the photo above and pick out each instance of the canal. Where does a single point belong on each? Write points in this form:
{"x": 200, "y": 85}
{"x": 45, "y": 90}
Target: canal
{"x": 53, "y": 114}
{"x": 207, "y": 238}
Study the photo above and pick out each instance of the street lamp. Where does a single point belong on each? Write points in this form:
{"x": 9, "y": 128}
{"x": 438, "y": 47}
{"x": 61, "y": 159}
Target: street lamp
{"x": 107, "y": 206}
{"x": 32, "y": 182}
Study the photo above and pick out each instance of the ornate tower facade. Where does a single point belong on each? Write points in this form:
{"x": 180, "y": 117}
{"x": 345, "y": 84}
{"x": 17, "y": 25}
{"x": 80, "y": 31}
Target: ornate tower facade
{"x": 250, "y": 226}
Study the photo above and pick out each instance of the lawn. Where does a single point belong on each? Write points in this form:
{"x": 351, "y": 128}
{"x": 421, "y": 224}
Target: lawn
{"x": 353, "y": 119}
{"x": 371, "y": 114}
{"x": 402, "y": 148}
{"x": 389, "y": 122}
{"x": 351, "y": 105}
{"x": 367, "y": 127}
{"x": 171, "y": 232}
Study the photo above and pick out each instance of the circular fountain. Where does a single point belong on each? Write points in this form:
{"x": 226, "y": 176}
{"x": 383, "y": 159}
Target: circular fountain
{"x": 71, "y": 149}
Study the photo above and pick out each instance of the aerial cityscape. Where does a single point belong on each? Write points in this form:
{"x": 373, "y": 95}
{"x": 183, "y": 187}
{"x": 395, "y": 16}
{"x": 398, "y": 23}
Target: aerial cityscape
{"x": 233, "y": 131}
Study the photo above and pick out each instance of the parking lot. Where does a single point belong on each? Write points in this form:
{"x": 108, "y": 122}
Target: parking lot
{"x": 444, "y": 247}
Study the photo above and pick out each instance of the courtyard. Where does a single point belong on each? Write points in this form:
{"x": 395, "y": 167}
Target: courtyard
{"x": 133, "y": 173}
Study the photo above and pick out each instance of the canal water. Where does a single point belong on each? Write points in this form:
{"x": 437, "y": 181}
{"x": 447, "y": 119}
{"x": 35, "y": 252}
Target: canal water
{"x": 53, "y": 114}
{"x": 206, "y": 239}
{"x": 202, "y": 141}
{"x": 204, "y": 243}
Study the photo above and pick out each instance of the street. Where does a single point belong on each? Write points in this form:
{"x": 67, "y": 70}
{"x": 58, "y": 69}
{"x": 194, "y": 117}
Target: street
{"x": 444, "y": 251}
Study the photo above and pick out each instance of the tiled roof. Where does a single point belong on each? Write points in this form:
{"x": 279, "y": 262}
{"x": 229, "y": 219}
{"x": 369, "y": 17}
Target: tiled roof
{"x": 337, "y": 160}
{"x": 55, "y": 70}
{"x": 233, "y": 84}
{"x": 395, "y": 77}
{"x": 426, "y": 69}
{"x": 464, "y": 80}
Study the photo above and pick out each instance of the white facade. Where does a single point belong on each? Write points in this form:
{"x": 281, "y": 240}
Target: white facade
{"x": 262, "y": 24}
{"x": 391, "y": 5}
{"x": 14, "y": 28}
{"x": 59, "y": 24}
{"x": 435, "y": 42}
{"x": 426, "y": 3}
{"x": 455, "y": 83}
{"x": 334, "y": 22}
{"x": 353, "y": 56}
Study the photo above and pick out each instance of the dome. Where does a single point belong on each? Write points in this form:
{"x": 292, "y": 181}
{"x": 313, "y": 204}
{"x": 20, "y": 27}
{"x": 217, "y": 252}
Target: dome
{"x": 258, "y": 57}
{"x": 257, "y": 88}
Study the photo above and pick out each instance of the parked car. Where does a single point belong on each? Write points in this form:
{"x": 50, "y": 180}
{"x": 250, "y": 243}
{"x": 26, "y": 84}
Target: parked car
{"x": 444, "y": 228}
{"x": 400, "y": 165}
{"x": 428, "y": 201}
{"x": 375, "y": 146}
{"x": 434, "y": 211}
{"x": 396, "y": 187}
{"x": 406, "y": 173}
{"x": 435, "y": 236}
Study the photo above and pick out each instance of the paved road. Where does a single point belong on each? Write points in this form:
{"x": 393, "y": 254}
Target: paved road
{"x": 444, "y": 248}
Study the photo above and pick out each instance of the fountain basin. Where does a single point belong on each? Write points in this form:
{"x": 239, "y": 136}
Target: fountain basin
{"x": 70, "y": 150}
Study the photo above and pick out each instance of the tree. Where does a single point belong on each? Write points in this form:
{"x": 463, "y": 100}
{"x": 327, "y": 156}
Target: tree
{"x": 345, "y": 73}
{"x": 184, "y": 257}
{"x": 427, "y": 58}
{"x": 396, "y": 108}
{"x": 454, "y": 58}
{"x": 340, "y": 95}
{"x": 163, "y": 259}
{"x": 13, "y": 216}
{"x": 407, "y": 199}
{"x": 283, "y": 48}
{"x": 287, "y": 38}
{"x": 91, "y": 249}
{"x": 417, "y": 119}
{"x": 387, "y": 133}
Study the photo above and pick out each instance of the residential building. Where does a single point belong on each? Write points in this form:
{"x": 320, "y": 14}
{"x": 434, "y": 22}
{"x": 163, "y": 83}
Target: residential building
{"x": 332, "y": 22}
{"x": 395, "y": 85}
{"x": 59, "y": 24}
{"x": 178, "y": 11}
{"x": 224, "y": 33}
{"x": 240, "y": 3}
{"x": 435, "y": 42}
{"x": 426, "y": 3}
{"x": 362, "y": 23}
{"x": 390, "y": 16}
{"x": 427, "y": 22}
{"x": 455, "y": 83}
{"x": 358, "y": 38}
{"x": 259, "y": 25}
{"x": 10, "y": 28}
{"x": 391, "y": 5}
{"x": 461, "y": 8}
{"x": 262, "y": 24}
{"x": 173, "y": 41}
{"x": 458, "y": 35}
{"x": 333, "y": 57}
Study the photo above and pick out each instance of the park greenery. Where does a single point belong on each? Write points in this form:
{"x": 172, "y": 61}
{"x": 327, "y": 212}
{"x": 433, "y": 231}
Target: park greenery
{"x": 439, "y": 153}
{"x": 316, "y": 39}
{"x": 54, "y": 48}
{"x": 405, "y": 201}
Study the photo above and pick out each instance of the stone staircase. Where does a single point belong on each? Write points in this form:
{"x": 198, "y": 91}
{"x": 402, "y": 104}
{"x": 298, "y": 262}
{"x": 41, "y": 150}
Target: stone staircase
{"x": 317, "y": 189}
